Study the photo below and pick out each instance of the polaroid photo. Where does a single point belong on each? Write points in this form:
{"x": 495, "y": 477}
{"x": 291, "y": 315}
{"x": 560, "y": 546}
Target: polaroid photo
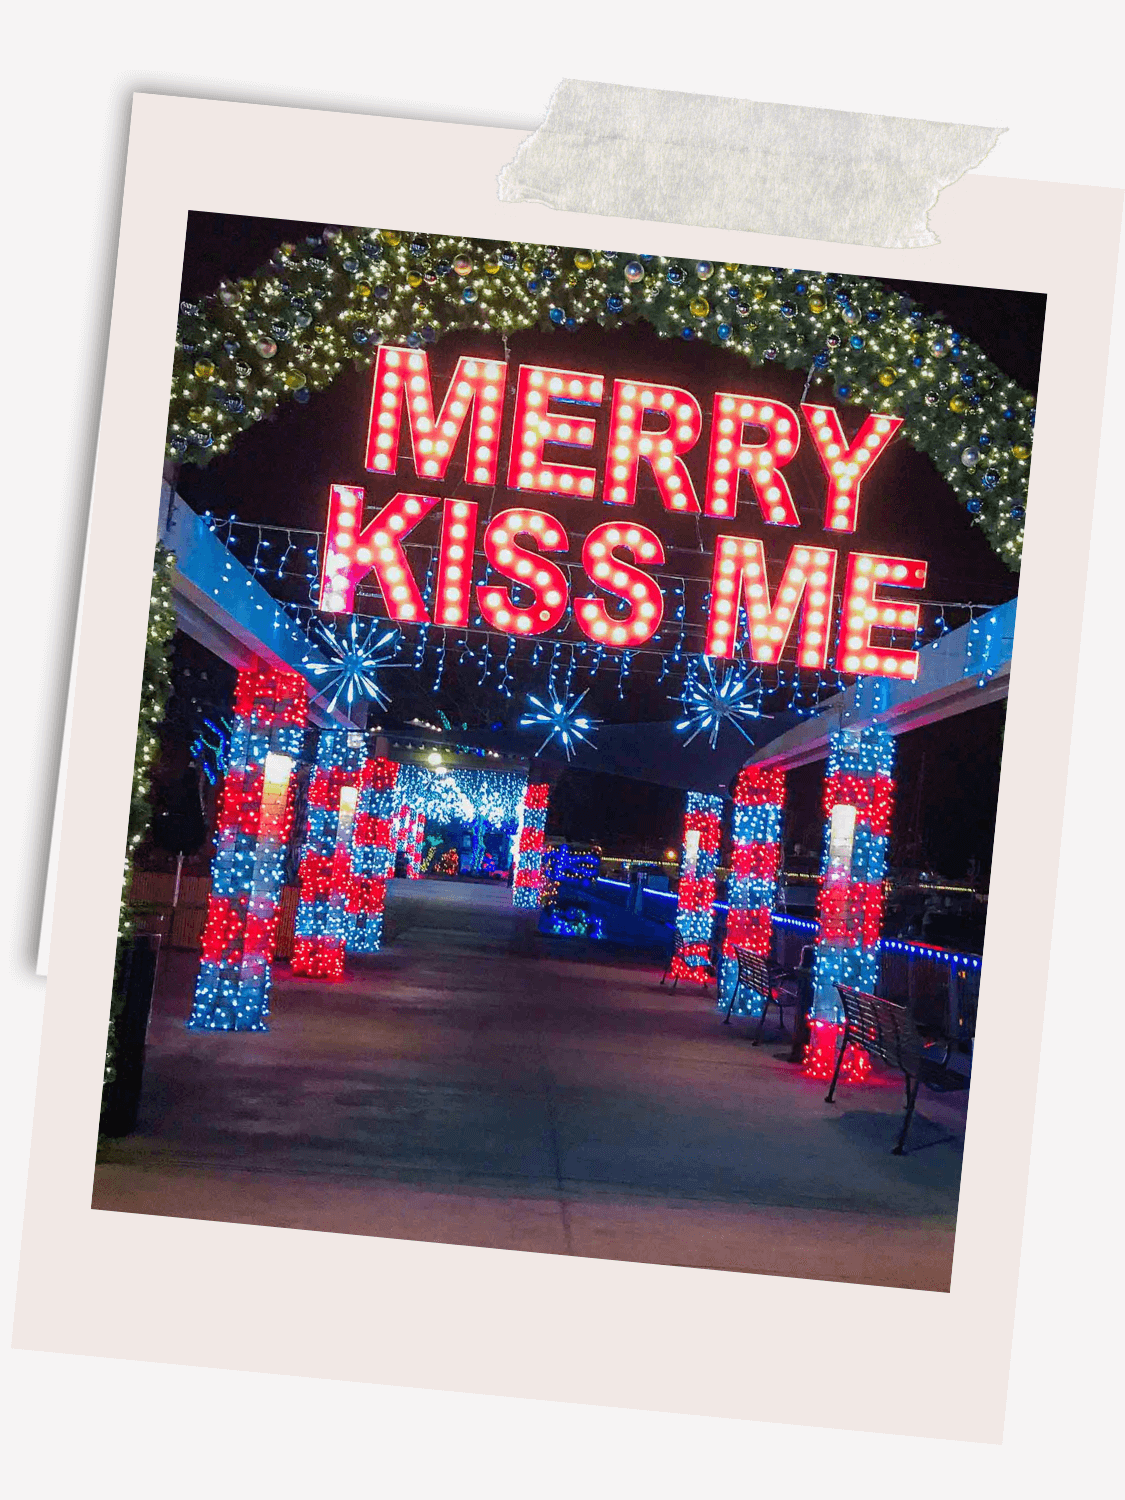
{"x": 586, "y": 823}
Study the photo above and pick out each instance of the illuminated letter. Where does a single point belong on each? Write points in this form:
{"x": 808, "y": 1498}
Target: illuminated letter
{"x": 533, "y": 425}
{"x": 350, "y": 554}
{"x": 846, "y": 467}
{"x": 455, "y": 558}
{"x": 476, "y": 383}
{"x": 546, "y": 581}
{"x": 863, "y": 611}
{"x": 646, "y": 603}
{"x": 629, "y": 443}
{"x": 731, "y": 456}
{"x": 740, "y": 576}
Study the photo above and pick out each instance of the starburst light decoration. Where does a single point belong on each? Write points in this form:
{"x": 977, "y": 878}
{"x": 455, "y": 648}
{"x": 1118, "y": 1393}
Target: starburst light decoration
{"x": 562, "y": 720}
{"x": 354, "y": 655}
{"x": 710, "y": 701}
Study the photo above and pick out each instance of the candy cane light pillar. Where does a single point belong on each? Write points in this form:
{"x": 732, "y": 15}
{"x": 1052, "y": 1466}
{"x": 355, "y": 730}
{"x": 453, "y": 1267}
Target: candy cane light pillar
{"x": 695, "y": 904}
{"x": 255, "y": 817}
{"x": 527, "y": 883}
{"x": 325, "y": 876}
{"x": 759, "y": 796}
{"x": 858, "y": 801}
{"x": 373, "y": 855}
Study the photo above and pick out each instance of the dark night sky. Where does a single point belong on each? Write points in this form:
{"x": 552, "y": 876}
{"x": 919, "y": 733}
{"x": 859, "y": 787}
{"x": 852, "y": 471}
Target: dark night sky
{"x": 279, "y": 472}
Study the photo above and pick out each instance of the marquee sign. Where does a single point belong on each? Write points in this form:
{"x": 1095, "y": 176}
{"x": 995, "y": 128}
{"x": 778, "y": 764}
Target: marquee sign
{"x": 751, "y": 441}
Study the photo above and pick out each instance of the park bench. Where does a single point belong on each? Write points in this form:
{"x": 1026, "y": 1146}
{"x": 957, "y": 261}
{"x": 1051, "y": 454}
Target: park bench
{"x": 887, "y": 1031}
{"x": 762, "y": 977}
{"x": 676, "y": 949}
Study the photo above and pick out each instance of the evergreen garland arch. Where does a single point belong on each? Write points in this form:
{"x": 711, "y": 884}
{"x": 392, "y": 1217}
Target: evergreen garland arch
{"x": 288, "y": 331}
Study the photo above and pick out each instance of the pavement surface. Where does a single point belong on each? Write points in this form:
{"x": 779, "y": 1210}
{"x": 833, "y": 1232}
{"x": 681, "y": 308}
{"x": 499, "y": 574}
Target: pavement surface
{"x": 478, "y": 1084}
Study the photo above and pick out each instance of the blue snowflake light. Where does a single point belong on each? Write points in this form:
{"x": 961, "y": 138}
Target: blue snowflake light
{"x": 710, "y": 701}
{"x": 561, "y": 719}
{"x": 354, "y": 655}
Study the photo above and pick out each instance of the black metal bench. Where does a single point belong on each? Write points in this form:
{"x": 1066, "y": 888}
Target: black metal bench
{"x": 887, "y": 1031}
{"x": 763, "y": 977}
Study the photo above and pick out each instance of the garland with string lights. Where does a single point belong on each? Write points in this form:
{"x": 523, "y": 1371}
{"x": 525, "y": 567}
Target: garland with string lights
{"x": 156, "y": 689}
{"x": 333, "y": 299}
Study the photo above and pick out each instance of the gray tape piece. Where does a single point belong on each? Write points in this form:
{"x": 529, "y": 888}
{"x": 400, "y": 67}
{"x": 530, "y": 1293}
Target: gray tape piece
{"x": 820, "y": 174}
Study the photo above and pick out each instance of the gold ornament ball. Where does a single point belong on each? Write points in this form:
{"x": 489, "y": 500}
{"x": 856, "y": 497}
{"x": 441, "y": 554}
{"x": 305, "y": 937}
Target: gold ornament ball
{"x": 195, "y": 414}
{"x": 958, "y": 403}
{"x": 462, "y": 264}
{"x": 699, "y": 307}
{"x": 204, "y": 368}
{"x": 1028, "y": 399}
{"x": 759, "y": 294}
{"x": 817, "y": 303}
{"x": 1020, "y": 450}
{"x": 887, "y": 376}
{"x": 492, "y": 267}
{"x": 583, "y": 260}
{"x": 390, "y": 236}
{"x": 295, "y": 380}
{"x": 363, "y": 289}
{"x": 414, "y": 279}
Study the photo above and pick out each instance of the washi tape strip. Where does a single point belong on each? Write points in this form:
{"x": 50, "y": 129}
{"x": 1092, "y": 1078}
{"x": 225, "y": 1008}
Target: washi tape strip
{"x": 782, "y": 169}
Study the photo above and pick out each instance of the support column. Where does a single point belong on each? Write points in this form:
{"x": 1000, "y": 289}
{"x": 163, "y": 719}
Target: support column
{"x": 858, "y": 802}
{"x": 695, "y": 904}
{"x": 325, "y": 875}
{"x": 527, "y": 883}
{"x": 255, "y": 817}
{"x": 759, "y": 795}
{"x": 373, "y": 855}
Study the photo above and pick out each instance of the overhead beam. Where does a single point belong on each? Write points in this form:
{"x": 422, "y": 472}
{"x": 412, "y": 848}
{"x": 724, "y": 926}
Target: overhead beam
{"x": 220, "y": 604}
{"x": 965, "y": 669}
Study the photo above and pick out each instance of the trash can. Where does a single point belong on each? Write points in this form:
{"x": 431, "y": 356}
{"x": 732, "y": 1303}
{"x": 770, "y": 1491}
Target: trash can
{"x": 138, "y": 978}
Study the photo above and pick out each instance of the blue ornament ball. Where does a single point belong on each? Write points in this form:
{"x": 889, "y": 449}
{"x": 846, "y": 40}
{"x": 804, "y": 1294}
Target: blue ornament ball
{"x": 973, "y": 506}
{"x": 788, "y": 310}
{"x": 676, "y": 275}
{"x": 724, "y": 330}
{"x": 469, "y": 294}
{"x": 820, "y": 359}
{"x": 990, "y": 479}
{"x": 1017, "y": 512}
{"x": 687, "y": 333}
{"x": 557, "y": 315}
{"x": 843, "y": 391}
{"x": 301, "y": 397}
{"x": 614, "y": 303}
{"x": 856, "y": 341}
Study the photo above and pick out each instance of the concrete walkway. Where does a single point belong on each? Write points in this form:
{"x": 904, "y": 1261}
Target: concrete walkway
{"x": 477, "y": 1084}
